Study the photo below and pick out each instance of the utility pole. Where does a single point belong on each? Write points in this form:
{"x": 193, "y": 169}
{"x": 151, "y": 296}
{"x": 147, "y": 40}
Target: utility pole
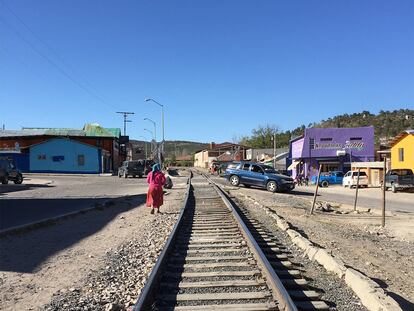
{"x": 125, "y": 113}
{"x": 274, "y": 150}
{"x": 384, "y": 187}
{"x": 316, "y": 190}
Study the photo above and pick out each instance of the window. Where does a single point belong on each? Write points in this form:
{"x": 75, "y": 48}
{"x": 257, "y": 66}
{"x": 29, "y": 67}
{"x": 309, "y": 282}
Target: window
{"x": 326, "y": 139}
{"x": 58, "y": 158}
{"x": 355, "y": 138}
{"x": 401, "y": 154}
{"x": 81, "y": 160}
{"x": 312, "y": 143}
{"x": 233, "y": 165}
{"x": 256, "y": 169}
{"x": 246, "y": 167}
{"x": 355, "y": 174}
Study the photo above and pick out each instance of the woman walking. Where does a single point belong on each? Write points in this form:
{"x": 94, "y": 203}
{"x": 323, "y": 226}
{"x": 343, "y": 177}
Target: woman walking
{"x": 155, "y": 179}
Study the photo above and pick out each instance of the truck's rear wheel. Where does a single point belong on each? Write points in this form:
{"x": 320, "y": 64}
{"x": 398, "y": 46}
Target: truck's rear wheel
{"x": 19, "y": 179}
{"x": 324, "y": 184}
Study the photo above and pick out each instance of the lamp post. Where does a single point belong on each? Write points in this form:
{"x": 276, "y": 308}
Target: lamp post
{"x": 152, "y": 133}
{"x": 162, "y": 114}
{"x": 274, "y": 150}
{"x": 350, "y": 153}
{"x": 145, "y": 145}
{"x": 160, "y": 150}
{"x": 155, "y": 127}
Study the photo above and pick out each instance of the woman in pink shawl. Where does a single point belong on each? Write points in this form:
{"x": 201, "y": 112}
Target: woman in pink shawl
{"x": 156, "y": 180}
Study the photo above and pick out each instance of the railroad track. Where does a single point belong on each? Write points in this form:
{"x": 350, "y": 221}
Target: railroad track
{"x": 217, "y": 258}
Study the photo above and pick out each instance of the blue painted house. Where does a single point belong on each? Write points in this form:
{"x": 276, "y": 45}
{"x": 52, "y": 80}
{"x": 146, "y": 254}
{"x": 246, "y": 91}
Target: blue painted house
{"x": 64, "y": 155}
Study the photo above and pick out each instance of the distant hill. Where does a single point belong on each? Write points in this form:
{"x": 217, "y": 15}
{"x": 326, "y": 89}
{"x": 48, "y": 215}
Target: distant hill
{"x": 387, "y": 124}
{"x": 175, "y": 147}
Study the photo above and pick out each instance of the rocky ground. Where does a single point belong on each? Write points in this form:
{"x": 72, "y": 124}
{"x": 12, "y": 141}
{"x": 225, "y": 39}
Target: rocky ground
{"x": 98, "y": 260}
{"x": 118, "y": 285}
{"x": 333, "y": 291}
{"x": 354, "y": 238}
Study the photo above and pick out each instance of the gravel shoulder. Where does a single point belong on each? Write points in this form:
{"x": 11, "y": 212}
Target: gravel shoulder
{"x": 45, "y": 266}
{"x": 355, "y": 238}
{"x": 333, "y": 291}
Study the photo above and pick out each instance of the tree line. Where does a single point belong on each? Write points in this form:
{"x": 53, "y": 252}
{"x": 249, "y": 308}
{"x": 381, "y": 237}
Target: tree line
{"x": 387, "y": 124}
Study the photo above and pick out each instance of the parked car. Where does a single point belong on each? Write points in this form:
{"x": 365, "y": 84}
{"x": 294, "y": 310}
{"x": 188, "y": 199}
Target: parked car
{"x": 399, "y": 179}
{"x": 131, "y": 168}
{"x": 9, "y": 172}
{"x": 351, "y": 179}
{"x": 259, "y": 175}
{"x": 331, "y": 178}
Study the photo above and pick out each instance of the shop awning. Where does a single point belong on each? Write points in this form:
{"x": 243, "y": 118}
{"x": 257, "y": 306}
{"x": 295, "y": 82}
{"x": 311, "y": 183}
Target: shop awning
{"x": 293, "y": 165}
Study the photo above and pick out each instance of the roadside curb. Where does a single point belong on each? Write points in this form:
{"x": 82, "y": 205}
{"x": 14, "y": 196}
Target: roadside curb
{"x": 70, "y": 174}
{"x": 46, "y": 221}
{"x": 372, "y": 296}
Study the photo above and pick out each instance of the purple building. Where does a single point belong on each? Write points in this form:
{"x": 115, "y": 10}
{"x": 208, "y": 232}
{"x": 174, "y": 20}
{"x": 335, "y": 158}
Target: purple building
{"x": 334, "y": 148}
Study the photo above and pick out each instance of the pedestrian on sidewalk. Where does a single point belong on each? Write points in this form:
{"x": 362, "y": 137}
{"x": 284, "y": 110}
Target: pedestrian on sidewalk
{"x": 155, "y": 179}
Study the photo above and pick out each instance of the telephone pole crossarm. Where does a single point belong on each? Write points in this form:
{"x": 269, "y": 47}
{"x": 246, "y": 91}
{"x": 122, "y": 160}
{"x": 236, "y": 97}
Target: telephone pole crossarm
{"x": 125, "y": 114}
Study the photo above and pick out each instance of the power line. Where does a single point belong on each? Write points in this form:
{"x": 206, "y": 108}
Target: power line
{"x": 54, "y": 64}
{"x": 48, "y": 46}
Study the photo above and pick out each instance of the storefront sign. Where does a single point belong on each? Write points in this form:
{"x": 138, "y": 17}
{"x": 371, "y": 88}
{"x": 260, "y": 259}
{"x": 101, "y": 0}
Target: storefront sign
{"x": 359, "y": 145}
{"x": 328, "y": 146}
{"x": 354, "y": 145}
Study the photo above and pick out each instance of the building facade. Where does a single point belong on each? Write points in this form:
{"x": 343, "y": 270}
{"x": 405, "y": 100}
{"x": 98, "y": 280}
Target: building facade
{"x": 266, "y": 156}
{"x": 105, "y": 139}
{"x": 219, "y": 152}
{"x": 64, "y": 155}
{"x": 402, "y": 151}
{"x": 332, "y": 148}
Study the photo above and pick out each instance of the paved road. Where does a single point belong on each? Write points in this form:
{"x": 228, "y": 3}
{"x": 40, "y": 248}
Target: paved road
{"x": 368, "y": 198}
{"x": 43, "y": 197}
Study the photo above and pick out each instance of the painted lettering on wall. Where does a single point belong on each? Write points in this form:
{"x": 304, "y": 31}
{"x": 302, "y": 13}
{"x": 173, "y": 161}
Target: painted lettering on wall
{"x": 328, "y": 145}
{"x": 359, "y": 145}
{"x": 355, "y": 145}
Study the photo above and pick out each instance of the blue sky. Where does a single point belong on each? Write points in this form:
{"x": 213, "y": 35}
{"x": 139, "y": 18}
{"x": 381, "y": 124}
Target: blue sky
{"x": 221, "y": 68}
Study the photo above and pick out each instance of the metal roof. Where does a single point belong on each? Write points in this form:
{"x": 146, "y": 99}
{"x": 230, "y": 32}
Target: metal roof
{"x": 95, "y": 130}
{"x": 401, "y": 135}
{"x": 89, "y": 130}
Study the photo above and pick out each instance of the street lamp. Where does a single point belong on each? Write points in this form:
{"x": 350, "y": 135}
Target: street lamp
{"x": 152, "y": 133}
{"x": 350, "y": 153}
{"x": 155, "y": 127}
{"x": 145, "y": 145}
{"x": 274, "y": 149}
{"x": 162, "y": 116}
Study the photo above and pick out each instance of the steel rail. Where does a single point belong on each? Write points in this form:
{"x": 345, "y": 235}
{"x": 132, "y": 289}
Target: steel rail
{"x": 281, "y": 295}
{"x": 147, "y": 291}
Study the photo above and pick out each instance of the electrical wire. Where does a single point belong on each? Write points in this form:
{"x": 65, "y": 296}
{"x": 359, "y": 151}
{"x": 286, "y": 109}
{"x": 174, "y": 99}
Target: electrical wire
{"x": 50, "y": 61}
{"x": 52, "y": 50}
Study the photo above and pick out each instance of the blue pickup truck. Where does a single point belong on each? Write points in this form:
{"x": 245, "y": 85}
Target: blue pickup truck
{"x": 259, "y": 175}
{"x": 331, "y": 178}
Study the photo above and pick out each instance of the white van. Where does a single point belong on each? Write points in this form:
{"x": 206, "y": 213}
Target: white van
{"x": 350, "y": 179}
